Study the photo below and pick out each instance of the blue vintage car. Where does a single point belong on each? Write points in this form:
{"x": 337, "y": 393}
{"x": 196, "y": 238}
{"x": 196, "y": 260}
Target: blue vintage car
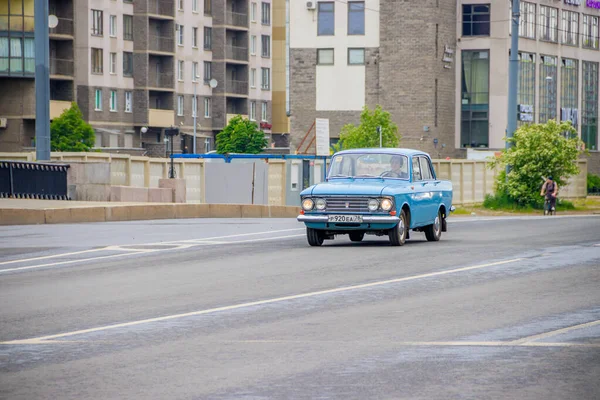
{"x": 379, "y": 192}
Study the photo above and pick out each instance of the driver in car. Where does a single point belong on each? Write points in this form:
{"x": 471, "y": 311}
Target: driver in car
{"x": 396, "y": 163}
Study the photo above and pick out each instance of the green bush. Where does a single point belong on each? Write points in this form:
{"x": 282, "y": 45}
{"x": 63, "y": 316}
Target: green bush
{"x": 365, "y": 134}
{"x": 70, "y": 132}
{"x": 502, "y": 202}
{"x": 241, "y": 136}
{"x": 593, "y": 183}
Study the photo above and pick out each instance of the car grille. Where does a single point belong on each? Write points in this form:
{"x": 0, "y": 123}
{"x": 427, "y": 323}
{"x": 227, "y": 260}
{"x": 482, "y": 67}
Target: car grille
{"x": 347, "y": 204}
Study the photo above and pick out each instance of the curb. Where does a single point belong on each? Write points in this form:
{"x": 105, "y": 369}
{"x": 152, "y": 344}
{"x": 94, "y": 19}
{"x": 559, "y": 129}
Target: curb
{"x": 36, "y": 216}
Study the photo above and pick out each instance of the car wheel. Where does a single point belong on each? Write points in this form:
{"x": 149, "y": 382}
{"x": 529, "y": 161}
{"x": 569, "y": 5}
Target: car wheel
{"x": 315, "y": 237}
{"x": 398, "y": 234}
{"x": 433, "y": 232}
{"x": 357, "y": 236}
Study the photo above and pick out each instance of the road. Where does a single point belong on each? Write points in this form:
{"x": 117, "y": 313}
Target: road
{"x": 500, "y": 308}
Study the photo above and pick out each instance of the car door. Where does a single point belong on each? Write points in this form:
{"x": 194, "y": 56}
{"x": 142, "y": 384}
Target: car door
{"x": 432, "y": 194}
{"x": 419, "y": 200}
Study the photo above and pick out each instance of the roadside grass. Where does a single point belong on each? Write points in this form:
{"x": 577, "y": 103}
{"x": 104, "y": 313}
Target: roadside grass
{"x": 494, "y": 206}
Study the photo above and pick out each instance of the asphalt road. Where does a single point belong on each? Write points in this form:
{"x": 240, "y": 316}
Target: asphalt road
{"x": 500, "y": 308}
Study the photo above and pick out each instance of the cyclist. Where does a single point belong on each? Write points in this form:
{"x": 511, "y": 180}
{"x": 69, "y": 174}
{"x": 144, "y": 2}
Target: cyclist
{"x": 550, "y": 190}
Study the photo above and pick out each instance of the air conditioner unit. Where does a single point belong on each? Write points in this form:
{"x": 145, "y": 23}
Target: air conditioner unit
{"x": 311, "y": 5}
{"x": 3, "y": 122}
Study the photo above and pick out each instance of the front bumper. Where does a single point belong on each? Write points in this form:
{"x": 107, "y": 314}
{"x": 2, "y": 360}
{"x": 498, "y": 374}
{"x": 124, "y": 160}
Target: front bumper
{"x": 367, "y": 219}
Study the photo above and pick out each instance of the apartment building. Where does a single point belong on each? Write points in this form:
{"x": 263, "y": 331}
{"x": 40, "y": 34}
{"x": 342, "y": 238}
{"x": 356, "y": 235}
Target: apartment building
{"x": 345, "y": 55}
{"x": 559, "y": 54}
{"x": 138, "y": 67}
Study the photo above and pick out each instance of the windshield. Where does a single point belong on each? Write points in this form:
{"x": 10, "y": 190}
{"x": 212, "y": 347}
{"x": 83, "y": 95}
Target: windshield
{"x": 369, "y": 165}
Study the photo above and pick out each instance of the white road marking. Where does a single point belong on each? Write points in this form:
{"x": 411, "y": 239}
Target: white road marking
{"x": 42, "y": 339}
{"x": 52, "y": 256}
{"x": 554, "y": 333}
{"x": 457, "y": 343}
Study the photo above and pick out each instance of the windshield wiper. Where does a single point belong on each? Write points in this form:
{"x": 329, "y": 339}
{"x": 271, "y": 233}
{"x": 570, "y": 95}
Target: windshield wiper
{"x": 340, "y": 176}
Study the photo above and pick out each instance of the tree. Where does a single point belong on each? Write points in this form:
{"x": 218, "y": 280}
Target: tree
{"x": 70, "y": 132}
{"x": 241, "y": 136}
{"x": 366, "y": 135}
{"x": 538, "y": 151}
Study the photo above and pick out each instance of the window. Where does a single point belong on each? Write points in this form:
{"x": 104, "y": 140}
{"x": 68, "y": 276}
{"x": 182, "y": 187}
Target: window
{"x": 475, "y": 99}
{"x": 195, "y": 37}
{"x": 113, "y": 63}
{"x": 97, "y": 23}
{"x": 207, "y": 107}
{"x": 127, "y": 27}
{"x": 570, "y": 28}
{"x": 548, "y": 24}
{"x": 17, "y": 55}
{"x": 527, "y": 21}
{"x": 97, "y": 61}
{"x": 263, "y": 113}
{"x": 253, "y": 45}
{"x": 195, "y": 5}
{"x": 98, "y": 100}
{"x": 548, "y": 86}
{"x": 569, "y": 90}
{"x": 180, "y": 5}
{"x": 127, "y": 102}
{"x": 207, "y": 38}
{"x": 180, "y": 100}
{"x": 526, "y": 87}
{"x": 266, "y": 13}
{"x": 325, "y": 56}
{"x": 325, "y": 19}
{"x": 194, "y": 105}
{"x": 113, "y": 100}
{"x": 476, "y": 20}
{"x": 590, "y": 32}
{"x": 208, "y": 7}
{"x": 416, "y": 169}
{"x": 356, "y": 18}
{"x": 207, "y": 71}
{"x": 195, "y": 74}
{"x": 356, "y": 56}
{"x": 266, "y": 45}
{"x": 127, "y": 63}
{"x": 589, "y": 103}
{"x": 179, "y": 30}
{"x": 207, "y": 145}
{"x": 112, "y": 26}
{"x": 252, "y": 111}
{"x": 180, "y": 68}
{"x": 266, "y": 79}
{"x": 253, "y": 78}
{"x": 253, "y": 7}
{"x": 426, "y": 173}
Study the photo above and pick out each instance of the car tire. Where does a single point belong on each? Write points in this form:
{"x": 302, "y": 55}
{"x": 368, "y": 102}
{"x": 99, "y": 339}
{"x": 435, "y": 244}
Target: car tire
{"x": 357, "y": 236}
{"x": 399, "y": 232}
{"x": 315, "y": 237}
{"x": 433, "y": 232}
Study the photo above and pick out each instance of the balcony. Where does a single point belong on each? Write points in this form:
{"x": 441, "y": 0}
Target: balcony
{"x": 161, "y": 118}
{"x": 236, "y": 53}
{"x": 161, "y": 81}
{"x": 64, "y": 30}
{"x": 57, "y": 107}
{"x": 236, "y": 19}
{"x": 237, "y": 87}
{"x": 161, "y": 44}
{"x": 230, "y": 116}
{"x": 61, "y": 68}
{"x": 162, "y": 8}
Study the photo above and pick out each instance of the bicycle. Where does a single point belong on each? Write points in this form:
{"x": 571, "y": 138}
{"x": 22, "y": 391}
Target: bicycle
{"x": 548, "y": 209}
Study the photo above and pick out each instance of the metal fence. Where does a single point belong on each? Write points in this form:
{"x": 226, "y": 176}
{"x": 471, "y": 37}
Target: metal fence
{"x": 28, "y": 180}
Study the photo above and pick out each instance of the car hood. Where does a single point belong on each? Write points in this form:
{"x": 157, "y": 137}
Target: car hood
{"x": 356, "y": 187}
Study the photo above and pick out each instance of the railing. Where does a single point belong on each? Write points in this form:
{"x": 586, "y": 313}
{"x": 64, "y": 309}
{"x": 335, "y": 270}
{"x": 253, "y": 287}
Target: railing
{"x": 237, "y": 87}
{"x": 162, "y": 80}
{"x": 161, "y": 7}
{"x": 236, "y": 19}
{"x": 161, "y": 43}
{"x": 236, "y": 53}
{"x": 30, "y": 180}
{"x": 61, "y": 67}
{"x": 64, "y": 27}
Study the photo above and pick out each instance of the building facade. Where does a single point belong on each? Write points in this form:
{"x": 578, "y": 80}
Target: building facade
{"x": 559, "y": 55}
{"x": 138, "y": 67}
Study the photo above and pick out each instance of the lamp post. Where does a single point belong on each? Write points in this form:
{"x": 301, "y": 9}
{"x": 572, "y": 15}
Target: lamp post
{"x": 195, "y": 83}
{"x": 42, "y": 81}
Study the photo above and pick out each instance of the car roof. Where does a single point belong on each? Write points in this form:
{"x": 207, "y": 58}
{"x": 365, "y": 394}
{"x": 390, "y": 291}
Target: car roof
{"x": 385, "y": 150}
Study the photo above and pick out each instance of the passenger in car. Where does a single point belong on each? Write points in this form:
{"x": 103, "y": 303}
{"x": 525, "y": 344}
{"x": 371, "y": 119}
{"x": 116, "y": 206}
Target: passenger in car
{"x": 397, "y": 164}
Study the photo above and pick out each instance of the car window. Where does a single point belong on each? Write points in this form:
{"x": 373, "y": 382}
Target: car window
{"x": 416, "y": 169}
{"x": 425, "y": 169}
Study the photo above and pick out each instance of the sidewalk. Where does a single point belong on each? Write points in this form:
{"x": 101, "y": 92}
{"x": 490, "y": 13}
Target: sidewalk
{"x": 26, "y": 212}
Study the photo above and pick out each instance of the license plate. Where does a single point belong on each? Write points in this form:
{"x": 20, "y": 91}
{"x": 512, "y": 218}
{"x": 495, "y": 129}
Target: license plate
{"x": 345, "y": 218}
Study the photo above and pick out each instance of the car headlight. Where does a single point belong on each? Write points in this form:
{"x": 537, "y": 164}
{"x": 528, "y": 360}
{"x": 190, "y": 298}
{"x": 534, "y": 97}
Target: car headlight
{"x": 386, "y": 204}
{"x": 373, "y": 205}
{"x": 321, "y": 204}
{"x": 307, "y": 204}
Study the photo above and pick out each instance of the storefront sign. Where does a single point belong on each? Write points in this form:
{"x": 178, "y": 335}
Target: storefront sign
{"x": 573, "y": 2}
{"x": 593, "y": 4}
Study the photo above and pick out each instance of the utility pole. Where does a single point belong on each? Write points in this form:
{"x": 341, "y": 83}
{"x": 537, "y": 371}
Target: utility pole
{"x": 513, "y": 71}
{"x": 195, "y": 113}
{"x": 380, "y": 138}
{"x": 42, "y": 82}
